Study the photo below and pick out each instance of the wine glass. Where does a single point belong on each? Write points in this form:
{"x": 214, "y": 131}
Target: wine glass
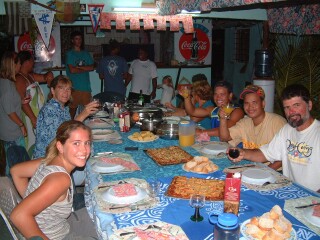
{"x": 197, "y": 201}
{"x": 228, "y": 109}
{"x": 154, "y": 187}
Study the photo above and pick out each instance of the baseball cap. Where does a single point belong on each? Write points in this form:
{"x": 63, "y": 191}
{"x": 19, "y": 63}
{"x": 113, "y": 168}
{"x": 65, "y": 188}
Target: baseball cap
{"x": 253, "y": 89}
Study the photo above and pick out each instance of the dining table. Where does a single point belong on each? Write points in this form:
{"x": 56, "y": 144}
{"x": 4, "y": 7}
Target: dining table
{"x": 176, "y": 211}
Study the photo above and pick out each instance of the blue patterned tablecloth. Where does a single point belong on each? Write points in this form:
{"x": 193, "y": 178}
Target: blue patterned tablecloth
{"x": 178, "y": 211}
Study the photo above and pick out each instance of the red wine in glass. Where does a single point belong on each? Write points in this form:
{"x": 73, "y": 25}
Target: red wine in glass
{"x": 234, "y": 152}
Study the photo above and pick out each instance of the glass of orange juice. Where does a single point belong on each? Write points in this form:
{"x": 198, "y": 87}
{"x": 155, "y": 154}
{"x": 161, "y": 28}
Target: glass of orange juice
{"x": 228, "y": 109}
{"x": 185, "y": 91}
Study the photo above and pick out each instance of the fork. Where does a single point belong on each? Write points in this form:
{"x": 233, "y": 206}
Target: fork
{"x": 268, "y": 183}
{"x": 149, "y": 227}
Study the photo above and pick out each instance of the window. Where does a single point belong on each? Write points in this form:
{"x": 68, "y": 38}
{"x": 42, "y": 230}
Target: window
{"x": 242, "y": 42}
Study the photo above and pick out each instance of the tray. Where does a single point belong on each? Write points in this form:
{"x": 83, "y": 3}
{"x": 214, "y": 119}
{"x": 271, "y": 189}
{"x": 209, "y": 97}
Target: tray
{"x": 169, "y": 155}
{"x": 183, "y": 187}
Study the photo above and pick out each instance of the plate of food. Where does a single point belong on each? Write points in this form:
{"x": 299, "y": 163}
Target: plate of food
{"x": 270, "y": 225}
{"x": 200, "y": 165}
{"x": 125, "y": 193}
{"x": 257, "y": 176}
{"x": 310, "y": 217}
{"x": 168, "y": 155}
{"x": 143, "y": 136}
{"x": 101, "y": 114}
{"x": 103, "y": 167}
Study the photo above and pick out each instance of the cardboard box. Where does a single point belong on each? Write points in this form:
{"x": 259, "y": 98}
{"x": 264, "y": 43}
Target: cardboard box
{"x": 232, "y": 193}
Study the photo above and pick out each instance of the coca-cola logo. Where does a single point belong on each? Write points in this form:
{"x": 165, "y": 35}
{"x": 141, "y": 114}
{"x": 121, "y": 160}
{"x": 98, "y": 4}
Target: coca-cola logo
{"x": 24, "y": 43}
{"x": 202, "y": 45}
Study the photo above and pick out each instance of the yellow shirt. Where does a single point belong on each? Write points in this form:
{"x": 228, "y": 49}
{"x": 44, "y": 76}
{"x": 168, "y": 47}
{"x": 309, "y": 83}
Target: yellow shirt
{"x": 252, "y": 136}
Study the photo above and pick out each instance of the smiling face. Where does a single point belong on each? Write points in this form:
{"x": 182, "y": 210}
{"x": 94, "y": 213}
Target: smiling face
{"x": 253, "y": 105}
{"x": 76, "y": 150}
{"x": 221, "y": 96}
{"x": 297, "y": 112}
{"x": 62, "y": 93}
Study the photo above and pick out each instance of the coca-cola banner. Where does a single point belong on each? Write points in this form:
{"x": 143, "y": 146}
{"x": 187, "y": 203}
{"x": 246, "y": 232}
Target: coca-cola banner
{"x": 194, "y": 47}
{"x": 44, "y": 57}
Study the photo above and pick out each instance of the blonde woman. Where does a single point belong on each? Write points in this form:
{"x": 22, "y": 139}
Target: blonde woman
{"x": 12, "y": 129}
{"x": 48, "y": 196}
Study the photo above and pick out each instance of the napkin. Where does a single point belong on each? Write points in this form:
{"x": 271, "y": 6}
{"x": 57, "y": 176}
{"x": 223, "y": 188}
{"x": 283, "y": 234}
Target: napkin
{"x": 290, "y": 205}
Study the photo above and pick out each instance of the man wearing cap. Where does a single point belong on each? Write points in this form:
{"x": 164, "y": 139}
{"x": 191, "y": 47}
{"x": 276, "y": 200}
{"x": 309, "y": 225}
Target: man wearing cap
{"x": 255, "y": 130}
{"x": 297, "y": 143}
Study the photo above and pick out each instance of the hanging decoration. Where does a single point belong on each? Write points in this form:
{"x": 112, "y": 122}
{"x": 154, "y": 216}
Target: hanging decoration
{"x": 95, "y": 11}
{"x": 44, "y": 20}
{"x": 69, "y": 10}
{"x": 148, "y": 20}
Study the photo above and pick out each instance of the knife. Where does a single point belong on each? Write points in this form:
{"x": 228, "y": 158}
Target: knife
{"x": 242, "y": 166}
{"x": 310, "y": 205}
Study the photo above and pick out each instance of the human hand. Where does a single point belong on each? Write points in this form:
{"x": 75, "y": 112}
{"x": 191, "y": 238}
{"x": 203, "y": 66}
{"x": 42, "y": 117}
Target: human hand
{"x": 239, "y": 158}
{"x": 185, "y": 92}
{"x": 26, "y": 100}
{"x": 153, "y": 94}
{"x": 91, "y": 108}
{"x": 48, "y": 77}
{"x": 24, "y": 130}
{"x": 169, "y": 105}
{"x": 222, "y": 114}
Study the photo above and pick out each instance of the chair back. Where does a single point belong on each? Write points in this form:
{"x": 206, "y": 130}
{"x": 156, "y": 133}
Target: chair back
{"x": 9, "y": 198}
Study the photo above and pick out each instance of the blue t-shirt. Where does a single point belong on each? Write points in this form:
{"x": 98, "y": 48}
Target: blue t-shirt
{"x": 80, "y": 81}
{"x": 50, "y": 117}
{"x": 113, "y": 68}
{"x": 206, "y": 122}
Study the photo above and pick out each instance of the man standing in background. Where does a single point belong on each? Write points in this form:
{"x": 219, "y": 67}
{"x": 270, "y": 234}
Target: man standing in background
{"x": 142, "y": 72}
{"x": 113, "y": 69}
{"x": 78, "y": 65}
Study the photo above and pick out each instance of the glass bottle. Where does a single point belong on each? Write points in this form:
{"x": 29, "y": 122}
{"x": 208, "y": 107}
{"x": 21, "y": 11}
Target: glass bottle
{"x": 194, "y": 46}
{"x": 141, "y": 99}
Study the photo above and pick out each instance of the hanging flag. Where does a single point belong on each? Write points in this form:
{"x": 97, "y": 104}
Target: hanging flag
{"x": 95, "y": 12}
{"x": 44, "y": 20}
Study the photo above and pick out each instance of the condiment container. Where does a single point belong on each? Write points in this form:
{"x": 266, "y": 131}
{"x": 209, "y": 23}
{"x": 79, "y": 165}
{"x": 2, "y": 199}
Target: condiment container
{"x": 187, "y": 131}
{"x": 226, "y": 226}
{"x": 124, "y": 120}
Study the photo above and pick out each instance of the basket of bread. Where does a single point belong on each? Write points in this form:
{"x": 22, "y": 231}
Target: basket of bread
{"x": 201, "y": 165}
{"x": 271, "y": 225}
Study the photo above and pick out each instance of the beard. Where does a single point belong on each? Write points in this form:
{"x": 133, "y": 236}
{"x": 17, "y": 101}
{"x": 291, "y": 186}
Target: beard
{"x": 296, "y": 120}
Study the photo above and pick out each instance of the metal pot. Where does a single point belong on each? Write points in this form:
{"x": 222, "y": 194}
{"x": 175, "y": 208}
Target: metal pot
{"x": 149, "y": 124}
{"x": 146, "y": 113}
{"x": 169, "y": 131}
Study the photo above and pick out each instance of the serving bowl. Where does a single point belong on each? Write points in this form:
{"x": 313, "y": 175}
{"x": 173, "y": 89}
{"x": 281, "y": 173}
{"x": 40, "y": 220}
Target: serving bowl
{"x": 168, "y": 131}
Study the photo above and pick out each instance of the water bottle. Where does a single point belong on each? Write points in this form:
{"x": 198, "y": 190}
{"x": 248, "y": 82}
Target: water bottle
{"x": 226, "y": 226}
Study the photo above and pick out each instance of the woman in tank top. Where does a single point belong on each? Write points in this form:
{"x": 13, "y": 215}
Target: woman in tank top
{"x": 48, "y": 196}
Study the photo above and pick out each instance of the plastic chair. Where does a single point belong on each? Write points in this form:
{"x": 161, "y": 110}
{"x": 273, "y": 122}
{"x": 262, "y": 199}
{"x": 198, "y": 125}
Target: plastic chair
{"x": 9, "y": 198}
{"x": 8, "y": 225}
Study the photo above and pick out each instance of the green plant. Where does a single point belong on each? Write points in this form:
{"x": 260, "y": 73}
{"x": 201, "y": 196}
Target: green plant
{"x": 297, "y": 60}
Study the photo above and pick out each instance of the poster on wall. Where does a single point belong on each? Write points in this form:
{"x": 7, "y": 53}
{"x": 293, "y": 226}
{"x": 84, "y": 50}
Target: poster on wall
{"x": 194, "y": 49}
{"x": 44, "y": 57}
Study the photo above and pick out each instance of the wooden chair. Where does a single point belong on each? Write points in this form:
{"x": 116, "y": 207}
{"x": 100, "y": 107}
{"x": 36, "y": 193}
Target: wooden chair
{"x": 9, "y": 198}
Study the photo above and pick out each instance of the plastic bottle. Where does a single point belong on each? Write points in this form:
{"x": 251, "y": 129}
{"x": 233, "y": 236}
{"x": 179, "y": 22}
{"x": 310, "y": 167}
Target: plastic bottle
{"x": 141, "y": 99}
{"x": 226, "y": 226}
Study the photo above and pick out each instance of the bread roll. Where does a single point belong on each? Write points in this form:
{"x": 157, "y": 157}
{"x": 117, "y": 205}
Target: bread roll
{"x": 255, "y": 231}
{"x": 190, "y": 165}
{"x": 265, "y": 222}
{"x": 275, "y": 212}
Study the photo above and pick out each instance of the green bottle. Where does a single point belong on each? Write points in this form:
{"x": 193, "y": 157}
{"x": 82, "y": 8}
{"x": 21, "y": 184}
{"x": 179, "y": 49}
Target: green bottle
{"x": 141, "y": 99}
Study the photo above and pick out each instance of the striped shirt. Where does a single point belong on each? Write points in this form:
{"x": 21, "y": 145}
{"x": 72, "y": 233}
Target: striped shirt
{"x": 53, "y": 220}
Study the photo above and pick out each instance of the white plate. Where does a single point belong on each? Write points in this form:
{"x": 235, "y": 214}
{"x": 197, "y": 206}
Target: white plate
{"x": 256, "y": 176}
{"x": 103, "y": 167}
{"x": 293, "y": 234}
{"x": 98, "y": 123}
{"x": 311, "y": 219}
{"x": 132, "y": 139}
{"x": 172, "y": 119}
{"x": 110, "y": 197}
{"x": 99, "y": 134}
{"x": 215, "y": 148}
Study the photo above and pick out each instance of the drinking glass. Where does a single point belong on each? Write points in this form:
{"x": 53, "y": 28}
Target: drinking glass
{"x": 234, "y": 152}
{"x": 197, "y": 201}
{"x": 154, "y": 187}
{"x": 228, "y": 109}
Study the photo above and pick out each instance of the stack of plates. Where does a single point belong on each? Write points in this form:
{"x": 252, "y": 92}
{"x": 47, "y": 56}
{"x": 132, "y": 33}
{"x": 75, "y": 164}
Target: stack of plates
{"x": 257, "y": 176}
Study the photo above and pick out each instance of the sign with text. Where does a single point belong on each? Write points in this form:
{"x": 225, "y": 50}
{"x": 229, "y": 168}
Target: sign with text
{"x": 194, "y": 47}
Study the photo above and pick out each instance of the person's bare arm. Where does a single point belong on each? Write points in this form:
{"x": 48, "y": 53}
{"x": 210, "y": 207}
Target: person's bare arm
{"x": 16, "y": 119}
{"x": 22, "y": 172}
{"x": 53, "y": 189}
{"x": 196, "y": 112}
{"x": 80, "y": 69}
{"x": 43, "y": 78}
{"x": 154, "y": 88}
{"x": 101, "y": 76}
{"x": 225, "y": 124}
{"x": 128, "y": 79}
{"x": 275, "y": 165}
{"x": 90, "y": 108}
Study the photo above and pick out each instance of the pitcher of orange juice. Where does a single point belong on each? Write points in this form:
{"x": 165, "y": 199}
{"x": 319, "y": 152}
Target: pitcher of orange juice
{"x": 187, "y": 131}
